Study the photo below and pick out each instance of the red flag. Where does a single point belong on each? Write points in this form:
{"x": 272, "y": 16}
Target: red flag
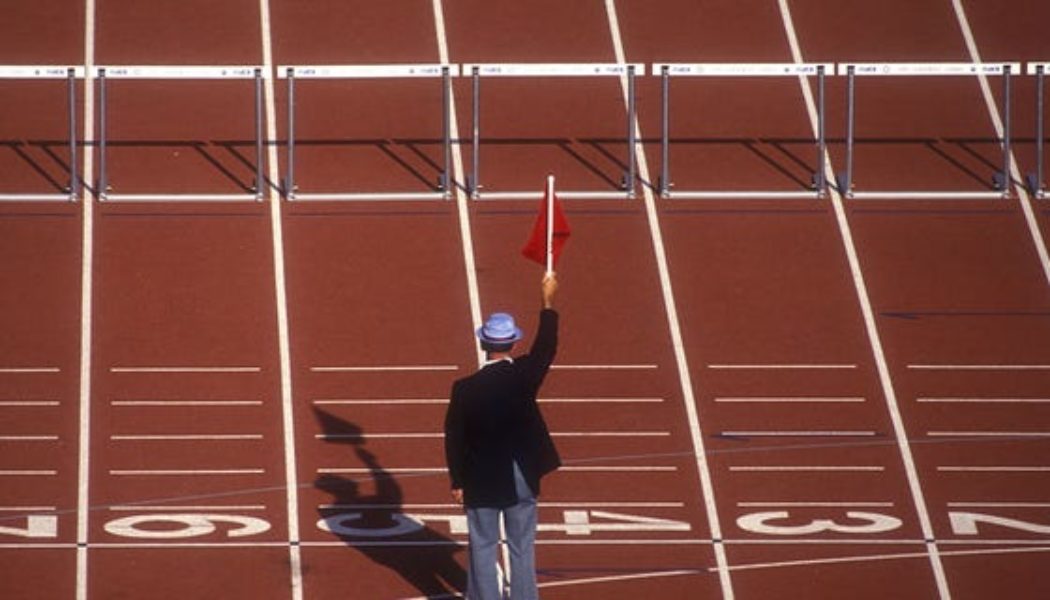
{"x": 541, "y": 247}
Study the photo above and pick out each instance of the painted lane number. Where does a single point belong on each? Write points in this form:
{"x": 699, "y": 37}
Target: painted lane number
{"x": 862, "y": 522}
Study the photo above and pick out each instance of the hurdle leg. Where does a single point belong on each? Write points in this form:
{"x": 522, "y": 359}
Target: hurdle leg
{"x": 1035, "y": 181}
{"x": 71, "y": 89}
{"x": 845, "y": 181}
{"x": 474, "y": 185}
{"x": 629, "y": 176}
{"x": 665, "y": 131}
{"x": 103, "y": 182}
{"x": 289, "y": 178}
{"x": 259, "y": 181}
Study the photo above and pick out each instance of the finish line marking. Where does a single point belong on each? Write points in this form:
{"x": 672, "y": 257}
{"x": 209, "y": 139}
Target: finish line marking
{"x": 28, "y": 370}
{"x": 985, "y": 400}
{"x": 990, "y": 434}
{"x": 183, "y": 472}
{"x": 999, "y": 469}
{"x": 190, "y": 508}
{"x": 384, "y": 369}
{"x": 425, "y": 401}
{"x": 773, "y": 504}
{"x": 142, "y": 403}
{"x": 980, "y": 367}
{"x": 829, "y": 433}
{"x": 774, "y": 367}
{"x": 791, "y": 400}
{"x": 29, "y": 403}
{"x": 440, "y": 435}
{"x": 187, "y": 437}
{"x": 605, "y": 367}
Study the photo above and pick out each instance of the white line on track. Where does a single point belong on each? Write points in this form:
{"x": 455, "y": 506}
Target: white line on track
{"x": 28, "y": 403}
{"x": 87, "y": 252}
{"x": 440, "y": 435}
{"x": 187, "y": 437}
{"x": 29, "y": 370}
{"x": 564, "y": 468}
{"x": 185, "y": 370}
{"x": 805, "y": 469}
{"x": 990, "y": 434}
{"x": 608, "y": 367}
{"x": 870, "y": 326}
{"x": 295, "y": 567}
{"x": 998, "y": 504}
{"x": 28, "y": 509}
{"x": 188, "y": 508}
{"x": 782, "y": 367}
{"x": 790, "y": 400}
{"x": 28, "y": 438}
{"x": 689, "y": 403}
{"x": 767, "y": 504}
{"x": 800, "y": 433}
{"x": 183, "y": 472}
{"x": 193, "y": 403}
{"x": 28, "y": 473}
{"x": 584, "y": 581}
{"x": 1015, "y": 173}
{"x": 383, "y": 368}
{"x": 426, "y": 506}
{"x": 379, "y": 402}
{"x": 990, "y": 367}
{"x": 993, "y": 469}
{"x": 462, "y": 209}
{"x": 985, "y": 400}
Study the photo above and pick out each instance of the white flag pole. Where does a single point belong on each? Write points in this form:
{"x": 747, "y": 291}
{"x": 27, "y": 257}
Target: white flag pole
{"x": 550, "y": 224}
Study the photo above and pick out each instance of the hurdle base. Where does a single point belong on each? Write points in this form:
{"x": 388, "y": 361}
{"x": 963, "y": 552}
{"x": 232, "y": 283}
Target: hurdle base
{"x": 150, "y": 198}
{"x": 1034, "y": 186}
{"x": 931, "y": 195}
{"x": 367, "y": 196}
{"x": 67, "y": 197}
{"x": 743, "y": 195}
{"x": 564, "y": 195}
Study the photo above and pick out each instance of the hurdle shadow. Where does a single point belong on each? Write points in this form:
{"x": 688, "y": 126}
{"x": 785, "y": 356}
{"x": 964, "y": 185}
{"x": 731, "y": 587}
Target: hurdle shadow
{"x": 19, "y": 148}
{"x": 427, "y": 561}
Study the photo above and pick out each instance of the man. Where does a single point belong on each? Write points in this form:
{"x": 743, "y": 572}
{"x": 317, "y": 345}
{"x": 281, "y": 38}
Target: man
{"x": 498, "y": 447}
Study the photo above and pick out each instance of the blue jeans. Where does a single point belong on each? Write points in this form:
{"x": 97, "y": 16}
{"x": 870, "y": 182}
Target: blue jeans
{"x": 483, "y": 523}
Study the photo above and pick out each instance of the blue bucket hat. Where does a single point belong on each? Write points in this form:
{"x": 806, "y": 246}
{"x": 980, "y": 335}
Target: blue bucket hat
{"x": 499, "y": 329}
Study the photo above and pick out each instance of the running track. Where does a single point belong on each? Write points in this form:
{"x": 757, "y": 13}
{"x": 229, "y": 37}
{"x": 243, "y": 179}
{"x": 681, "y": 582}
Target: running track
{"x": 187, "y": 390}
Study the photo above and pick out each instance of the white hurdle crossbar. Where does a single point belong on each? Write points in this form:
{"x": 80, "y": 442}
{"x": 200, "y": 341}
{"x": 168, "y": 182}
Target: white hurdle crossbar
{"x": 397, "y": 71}
{"x": 1035, "y": 180}
{"x": 180, "y": 72}
{"x": 70, "y": 74}
{"x": 669, "y": 70}
{"x": 1001, "y": 179}
{"x": 544, "y": 70}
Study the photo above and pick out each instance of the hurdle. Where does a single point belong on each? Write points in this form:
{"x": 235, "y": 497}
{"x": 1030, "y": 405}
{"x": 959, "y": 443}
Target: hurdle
{"x": 1035, "y": 180}
{"x": 70, "y": 75}
{"x": 181, "y": 73}
{"x": 669, "y": 70}
{"x": 545, "y": 70}
{"x": 356, "y": 72}
{"x": 1001, "y": 179}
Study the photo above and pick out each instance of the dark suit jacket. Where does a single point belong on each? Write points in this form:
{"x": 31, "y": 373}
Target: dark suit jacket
{"x": 493, "y": 420}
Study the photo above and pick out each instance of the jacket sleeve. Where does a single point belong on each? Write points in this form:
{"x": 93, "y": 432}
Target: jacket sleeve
{"x": 454, "y": 448}
{"x": 544, "y": 345}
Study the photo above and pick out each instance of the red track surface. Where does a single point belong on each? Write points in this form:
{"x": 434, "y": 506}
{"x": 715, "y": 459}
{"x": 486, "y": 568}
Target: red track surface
{"x": 366, "y": 287}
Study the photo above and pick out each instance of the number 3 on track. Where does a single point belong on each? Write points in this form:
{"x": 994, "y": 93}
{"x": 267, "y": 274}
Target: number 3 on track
{"x": 760, "y": 522}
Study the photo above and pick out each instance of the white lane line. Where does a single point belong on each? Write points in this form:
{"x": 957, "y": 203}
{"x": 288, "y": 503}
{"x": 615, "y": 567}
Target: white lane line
{"x": 1015, "y": 173}
{"x": 989, "y": 434}
{"x": 689, "y": 403}
{"x": 28, "y": 403}
{"x": 29, "y": 370}
{"x": 440, "y": 435}
{"x": 870, "y": 326}
{"x": 187, "y": 437}
{"x": 185, "y": 370}
{"x": 28, "y": 438}
{"x": 193, "y": 403}
{"x": 87, "y": 253}
{"x": 28, "y": 509}
{"x": 790, "y": 400}
{"x": 462, "y": 202}
{"x": 985, "y": 400}
{"x": 782, "y": 367}
{"x": 417, "y": 506}
{"x": 998, "y": 504}
{"x": 295, "y": 567}
{"x": 805, "y": 468}
{"x": 800, "y": 433}
{"x": 28, "y": 473}
{"x": 608, "y": 367}
{"x": 989, "y": 367}
{"x": 383, "y": 368}
{"x": 429, "y": 470}
{"x": 771, "y": 504}
{"x": 183, "y": 472}
{"x": 993, "y": 469}
{"x": 188, "y": 508}
{"x": 442, "y": 401}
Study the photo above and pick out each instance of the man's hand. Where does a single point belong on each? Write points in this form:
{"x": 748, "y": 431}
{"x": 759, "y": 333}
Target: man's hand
{"x": 548, "y": 288}
{"x": 457, "y": 495}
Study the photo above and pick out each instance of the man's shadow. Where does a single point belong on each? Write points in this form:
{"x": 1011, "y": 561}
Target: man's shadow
{"x": 374, "y": 524}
